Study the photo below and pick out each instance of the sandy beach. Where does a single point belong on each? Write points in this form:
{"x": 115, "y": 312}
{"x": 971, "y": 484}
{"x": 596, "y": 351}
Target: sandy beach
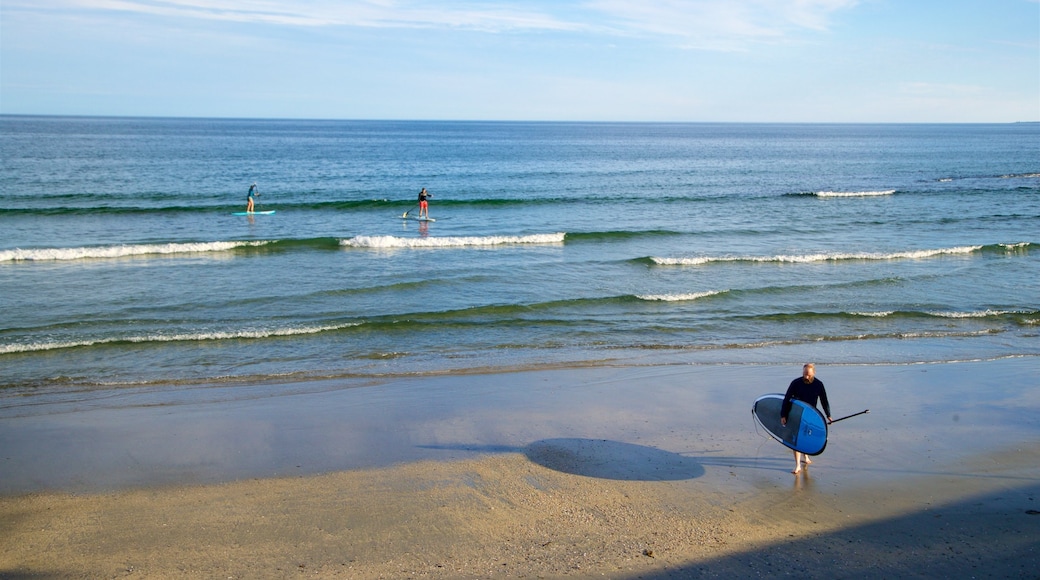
{"x": 621, "y": 472}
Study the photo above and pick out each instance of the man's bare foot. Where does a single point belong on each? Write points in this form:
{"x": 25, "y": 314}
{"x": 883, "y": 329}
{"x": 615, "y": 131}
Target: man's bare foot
{"x": 808, "y": 461}
{"x": 797, "y": 471}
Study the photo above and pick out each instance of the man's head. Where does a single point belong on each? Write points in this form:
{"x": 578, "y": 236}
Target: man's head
{"x": 808, "y": 372}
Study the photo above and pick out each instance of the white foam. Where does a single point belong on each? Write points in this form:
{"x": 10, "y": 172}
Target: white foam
{"x": 976, "y": 314}
{"x": 192, "y": 337}
{"x": 1020, "y": 175}
{"x": 121, "y": 251}
{"x": 825, "y": 257}
{"x": 678, "y": 297}
{"x": 854, "y": 193}
{"x": 940, "y": 334}
{"x": 449, "y": 242}
{"x": 683, "y": 261}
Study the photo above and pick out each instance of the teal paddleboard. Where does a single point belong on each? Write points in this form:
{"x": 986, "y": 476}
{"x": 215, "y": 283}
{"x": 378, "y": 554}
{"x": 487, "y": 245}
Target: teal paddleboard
{"x": 267, "y": 212}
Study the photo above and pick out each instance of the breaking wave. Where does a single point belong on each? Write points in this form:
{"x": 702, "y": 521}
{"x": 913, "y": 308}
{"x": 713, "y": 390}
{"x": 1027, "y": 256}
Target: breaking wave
{"x": 678, "y": 297}
{"x": 381, "y": 242}
{"x": 161, "y": 338}
{"x": 841, "y": 256}
{"x": 854, "y": 193}
{"x": 120, "y": 251}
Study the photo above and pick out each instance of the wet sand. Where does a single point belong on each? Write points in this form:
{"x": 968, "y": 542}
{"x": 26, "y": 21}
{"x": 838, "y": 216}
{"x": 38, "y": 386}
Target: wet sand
{"x": 648, "y": 472}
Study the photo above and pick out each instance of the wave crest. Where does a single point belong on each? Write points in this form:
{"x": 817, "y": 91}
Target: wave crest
{"x": 978, "y": 313}
{"x": 120, "y": 251}
{"x": 191, "y": 337}
{"x": 854, "y": 193}
{"x": 380, "y": 242}
{"x": 678, "y": 297}
{"x": 809, "y": 258}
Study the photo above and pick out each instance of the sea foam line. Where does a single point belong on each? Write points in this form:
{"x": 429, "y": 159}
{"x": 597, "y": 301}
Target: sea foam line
{"x": 948, "y": 314}
{"x": 121, "y": 251}
{"x": 196, "y": 337}
{"x": 1020, "y": 175}
{"x": 854, "y": 193}
{"x": 449, "y": 242}
{"x": 977, "y": 314}
{"x": 808, "y": 258}
{"x": 678, "y": 297}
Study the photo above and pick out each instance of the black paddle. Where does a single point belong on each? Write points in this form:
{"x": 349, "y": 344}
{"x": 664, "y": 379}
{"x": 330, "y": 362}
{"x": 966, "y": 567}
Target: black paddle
{"x": 850, "y": 416}
{"x": 405, "y": 214}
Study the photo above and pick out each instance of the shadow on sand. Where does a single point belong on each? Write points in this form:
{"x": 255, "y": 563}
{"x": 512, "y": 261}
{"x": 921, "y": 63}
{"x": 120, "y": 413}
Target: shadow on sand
{"x": 995, "y": 535}
{"x": 599, "y": 458}
{"x": 990, "y": 536}
{"x": 612, "y": 460}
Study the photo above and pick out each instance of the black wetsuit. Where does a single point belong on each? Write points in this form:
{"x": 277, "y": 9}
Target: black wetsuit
{"x": 807, "y": 392}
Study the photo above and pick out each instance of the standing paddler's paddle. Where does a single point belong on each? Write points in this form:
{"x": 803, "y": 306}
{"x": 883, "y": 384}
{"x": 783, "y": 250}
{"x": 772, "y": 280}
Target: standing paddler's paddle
{"x": 405, "y": 214}
{"x": 850, "y": 416}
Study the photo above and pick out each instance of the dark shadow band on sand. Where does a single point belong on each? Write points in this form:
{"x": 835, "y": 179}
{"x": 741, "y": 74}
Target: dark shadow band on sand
{"x": 993, "y": 535}
{"x": 600, "y": 458}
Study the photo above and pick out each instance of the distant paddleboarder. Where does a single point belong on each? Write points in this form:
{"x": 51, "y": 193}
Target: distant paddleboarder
{"x": 424, "y": 207}
{"x": 253, "y": 191}
{"x": 807, "y": 389}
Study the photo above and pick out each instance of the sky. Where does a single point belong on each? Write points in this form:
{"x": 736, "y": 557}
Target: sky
{"x": 825, "y": 61}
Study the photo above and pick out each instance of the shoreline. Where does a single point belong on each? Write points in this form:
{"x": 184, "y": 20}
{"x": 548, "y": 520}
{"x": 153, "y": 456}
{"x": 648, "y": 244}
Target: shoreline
{"x": 649, "y": 472}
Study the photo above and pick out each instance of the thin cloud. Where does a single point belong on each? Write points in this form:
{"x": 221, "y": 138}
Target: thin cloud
{"x": 721, "y": 24}
{"x": 362, "y": 13}
{"x": 712, "y": 24}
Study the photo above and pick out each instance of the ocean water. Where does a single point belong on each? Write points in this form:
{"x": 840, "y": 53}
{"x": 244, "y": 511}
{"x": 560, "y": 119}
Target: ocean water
{"x": 121, "y": 263}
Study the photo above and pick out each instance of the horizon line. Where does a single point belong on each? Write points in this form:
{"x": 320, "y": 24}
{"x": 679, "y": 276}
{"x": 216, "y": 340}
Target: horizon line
{"x": 503, "y": 121}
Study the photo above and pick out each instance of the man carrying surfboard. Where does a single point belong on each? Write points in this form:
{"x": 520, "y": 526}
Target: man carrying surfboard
{"x": 808, "y": 389}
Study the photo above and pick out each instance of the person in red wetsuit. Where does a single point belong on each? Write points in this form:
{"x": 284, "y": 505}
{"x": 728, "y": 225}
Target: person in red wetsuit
{"x": 808, "y": 389}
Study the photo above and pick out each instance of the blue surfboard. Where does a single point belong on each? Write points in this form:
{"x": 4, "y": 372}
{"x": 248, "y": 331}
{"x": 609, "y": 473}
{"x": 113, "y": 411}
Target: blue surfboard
{"x": 806, "y": 429}
{"x": 267, "y": 212}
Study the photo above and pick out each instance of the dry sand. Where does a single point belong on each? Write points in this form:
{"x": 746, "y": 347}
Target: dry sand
{"x": 622, "y": 473}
